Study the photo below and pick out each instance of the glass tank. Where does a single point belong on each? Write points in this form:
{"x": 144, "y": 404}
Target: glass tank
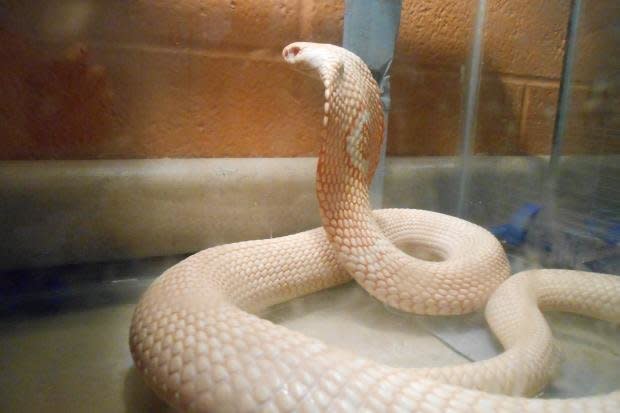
{"x": 134, "y": 134}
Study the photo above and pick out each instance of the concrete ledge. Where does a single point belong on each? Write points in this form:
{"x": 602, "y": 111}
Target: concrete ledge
{"x": 63, "y": 212}
{"x": 76, "y": 211}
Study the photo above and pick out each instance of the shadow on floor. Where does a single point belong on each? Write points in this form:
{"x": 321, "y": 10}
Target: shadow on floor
{"x": 139, "y": 398}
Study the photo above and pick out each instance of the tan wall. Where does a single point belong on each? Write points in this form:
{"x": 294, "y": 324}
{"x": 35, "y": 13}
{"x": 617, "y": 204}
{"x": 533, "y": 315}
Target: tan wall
{"x": 203, "y": 78}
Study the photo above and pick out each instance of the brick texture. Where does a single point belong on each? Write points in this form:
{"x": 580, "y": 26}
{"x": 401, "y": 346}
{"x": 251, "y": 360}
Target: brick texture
{"x": 203, "y": 78}
{"x": 434, "y": 34}
{"x": 526, "y": 37}
{"x": 425, "y": 116}
{"x": 221, "y": 24}
{"x": 539, "y": 116}
{"x": 498, "y": 126}
{"x": 322, "y": 21}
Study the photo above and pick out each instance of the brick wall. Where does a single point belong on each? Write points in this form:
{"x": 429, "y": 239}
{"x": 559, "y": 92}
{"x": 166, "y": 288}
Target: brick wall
{"x": 204, "y": 78}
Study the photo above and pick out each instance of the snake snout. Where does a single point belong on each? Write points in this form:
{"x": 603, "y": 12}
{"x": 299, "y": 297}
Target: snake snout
{"x": 305, "y": 57}
{"x": 290, "y": 52}
{"x": 307, "y": 53}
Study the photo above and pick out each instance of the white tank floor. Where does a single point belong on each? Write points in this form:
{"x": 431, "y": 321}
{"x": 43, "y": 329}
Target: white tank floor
{"x": 79, "y": 361}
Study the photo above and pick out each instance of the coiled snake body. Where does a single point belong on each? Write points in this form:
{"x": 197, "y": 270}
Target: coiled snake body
{"x": 197, "y": 345}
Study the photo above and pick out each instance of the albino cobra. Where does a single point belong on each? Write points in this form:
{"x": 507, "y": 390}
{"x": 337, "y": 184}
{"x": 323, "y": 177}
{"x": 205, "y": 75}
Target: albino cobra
{"x": 197, "y": 346}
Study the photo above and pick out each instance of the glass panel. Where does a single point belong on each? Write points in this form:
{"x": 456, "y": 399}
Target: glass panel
{"x": 426, "y": 117}
{"x": 583, "y": 222}
{"x": 135, "y": 133}
{"x": 544, "y": 167}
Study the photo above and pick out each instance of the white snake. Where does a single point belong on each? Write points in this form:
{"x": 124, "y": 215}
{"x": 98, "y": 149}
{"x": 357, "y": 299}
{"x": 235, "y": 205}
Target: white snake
{"x": 197, "y": 346}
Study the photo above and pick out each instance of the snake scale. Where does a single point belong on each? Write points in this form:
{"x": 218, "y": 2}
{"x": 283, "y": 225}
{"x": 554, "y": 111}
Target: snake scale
{"x": 198, "y": 345}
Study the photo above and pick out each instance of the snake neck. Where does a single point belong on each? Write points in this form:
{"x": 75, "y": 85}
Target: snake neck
{"x": 348, "y": 157}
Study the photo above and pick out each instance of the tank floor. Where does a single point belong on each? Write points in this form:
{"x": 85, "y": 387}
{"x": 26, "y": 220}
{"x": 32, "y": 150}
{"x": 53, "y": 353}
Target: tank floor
{"x": 78, "y": 360}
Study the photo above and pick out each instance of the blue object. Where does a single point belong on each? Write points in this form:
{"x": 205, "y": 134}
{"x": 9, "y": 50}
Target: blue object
{"x": 515, "y": 231}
